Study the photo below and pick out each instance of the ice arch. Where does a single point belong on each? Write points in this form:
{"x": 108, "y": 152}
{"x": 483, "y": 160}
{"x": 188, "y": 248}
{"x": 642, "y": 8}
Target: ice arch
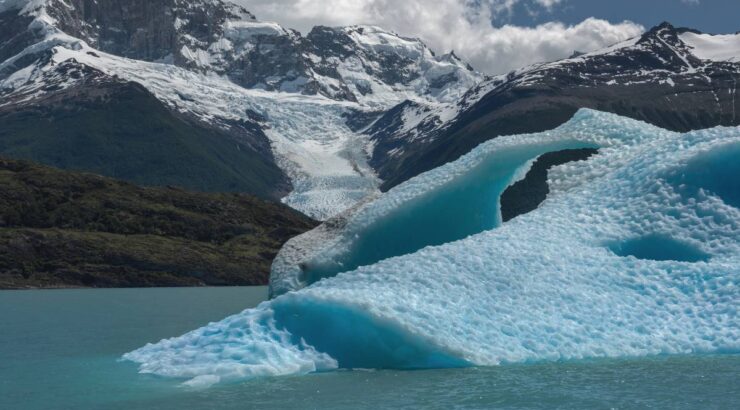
{"x": 542, "y": 287}
{"x": 467, "y": 204}
{"x": 526, "y": 194}
{"x": 659, "y": 248}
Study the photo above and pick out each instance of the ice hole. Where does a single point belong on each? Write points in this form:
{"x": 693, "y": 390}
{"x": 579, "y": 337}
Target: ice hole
{"x": 716, "y": 171}
{"x": 659, "y": 248}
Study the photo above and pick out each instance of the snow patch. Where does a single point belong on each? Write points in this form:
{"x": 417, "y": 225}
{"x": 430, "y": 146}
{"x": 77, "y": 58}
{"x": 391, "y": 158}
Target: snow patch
{"x": 720, "y": 47}
{"x": 247, "y": 30}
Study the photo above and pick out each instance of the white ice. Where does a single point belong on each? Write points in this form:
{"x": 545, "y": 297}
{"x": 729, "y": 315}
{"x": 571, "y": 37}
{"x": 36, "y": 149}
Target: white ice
{"x": 720, "y": 47}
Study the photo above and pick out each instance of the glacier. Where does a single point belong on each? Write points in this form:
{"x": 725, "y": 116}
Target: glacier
{"x": 325, "y": 159}
{"x": 635, "y": 252}
{"x": 309, "y": 136}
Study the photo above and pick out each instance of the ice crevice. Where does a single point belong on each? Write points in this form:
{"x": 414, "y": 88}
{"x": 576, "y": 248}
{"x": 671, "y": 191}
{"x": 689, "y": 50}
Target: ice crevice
{"x": 659, "y": 248}
{"x": 635, "y": 251}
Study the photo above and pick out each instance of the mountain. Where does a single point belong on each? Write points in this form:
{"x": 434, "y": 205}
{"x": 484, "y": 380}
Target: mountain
{"x": 223, "y": 38}
{"x": 72, "y": 115}
{"x": 201, "y": 94}
{"x": 675, "y": 78}
{"x": 70, "y": 229}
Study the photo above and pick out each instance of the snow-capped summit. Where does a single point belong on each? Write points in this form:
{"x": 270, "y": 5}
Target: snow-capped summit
{"x": 359, "y": 63}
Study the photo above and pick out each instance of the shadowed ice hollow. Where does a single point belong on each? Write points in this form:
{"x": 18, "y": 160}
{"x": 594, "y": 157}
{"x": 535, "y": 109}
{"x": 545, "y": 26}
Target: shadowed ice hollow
{"x": 636, "y": 251}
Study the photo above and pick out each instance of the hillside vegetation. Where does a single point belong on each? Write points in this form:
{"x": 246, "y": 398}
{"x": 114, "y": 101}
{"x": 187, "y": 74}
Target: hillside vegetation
{"x": 69, "y": 229}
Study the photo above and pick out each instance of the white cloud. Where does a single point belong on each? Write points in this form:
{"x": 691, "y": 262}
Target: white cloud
{"x": 548, "y": 3}
{"x": 460, "y": 25}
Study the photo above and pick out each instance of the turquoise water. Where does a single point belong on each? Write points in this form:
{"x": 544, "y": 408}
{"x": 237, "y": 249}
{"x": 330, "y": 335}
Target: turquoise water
{"x": 60, "y": 350}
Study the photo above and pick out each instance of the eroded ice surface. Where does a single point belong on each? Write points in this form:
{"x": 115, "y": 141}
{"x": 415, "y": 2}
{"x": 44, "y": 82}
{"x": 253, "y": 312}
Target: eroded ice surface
{"x": 635, "y": 252}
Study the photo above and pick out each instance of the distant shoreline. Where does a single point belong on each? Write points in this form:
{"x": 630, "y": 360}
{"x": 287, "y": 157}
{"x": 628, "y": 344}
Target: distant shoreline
{"x": 8, "y": 289}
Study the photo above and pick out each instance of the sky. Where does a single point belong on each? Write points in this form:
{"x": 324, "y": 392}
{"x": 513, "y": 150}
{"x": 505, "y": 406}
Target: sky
{"x": 497, "y": 36}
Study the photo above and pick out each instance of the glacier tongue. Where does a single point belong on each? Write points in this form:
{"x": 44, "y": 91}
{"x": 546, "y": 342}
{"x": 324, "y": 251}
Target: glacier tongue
{"x": 324, "y": 158}
{"x": 635, "y": 252}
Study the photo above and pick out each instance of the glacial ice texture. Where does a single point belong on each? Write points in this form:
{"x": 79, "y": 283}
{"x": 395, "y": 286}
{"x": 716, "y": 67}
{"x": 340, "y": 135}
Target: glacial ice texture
{"x": 636, "y": 251}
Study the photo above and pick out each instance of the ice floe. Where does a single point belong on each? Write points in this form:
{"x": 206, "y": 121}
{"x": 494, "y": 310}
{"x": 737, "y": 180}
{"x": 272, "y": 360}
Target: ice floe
{"x": 636, "y": 251}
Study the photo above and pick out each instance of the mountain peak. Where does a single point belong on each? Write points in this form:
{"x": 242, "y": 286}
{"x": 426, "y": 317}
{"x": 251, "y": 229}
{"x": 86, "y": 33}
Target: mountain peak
{"x": 663, "y": 30}
{"x": 669, "y": 27}
{"x": 576, "y": 54}
{"x": 664, "y": 41}
{"x": 668, "y": 32}
{"x": 664, "y": 25}
{"x": 377, "y": 64}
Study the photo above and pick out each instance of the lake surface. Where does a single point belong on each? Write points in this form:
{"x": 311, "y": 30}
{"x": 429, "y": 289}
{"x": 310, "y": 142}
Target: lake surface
{"x": 59, "y": 350}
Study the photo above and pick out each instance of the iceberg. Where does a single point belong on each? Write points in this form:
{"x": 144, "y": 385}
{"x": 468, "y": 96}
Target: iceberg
{"x": 635, "y": 251}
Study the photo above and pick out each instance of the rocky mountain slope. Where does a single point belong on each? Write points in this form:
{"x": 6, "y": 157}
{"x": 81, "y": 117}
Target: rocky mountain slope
{"x": 220, "y": 37}
{"x": 272, "y": 105}
{"x": 69, "y": 229}
{"x": 678, "y": 79}
{"x": 118, "y": 128}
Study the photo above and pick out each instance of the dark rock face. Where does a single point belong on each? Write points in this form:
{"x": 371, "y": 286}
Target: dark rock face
{"x": 274, "y": 61}
{"x": 145, "y": 29}
{"x": 526, "y": 195}
{"x": 62, "y": 229}
{"x": 656, "y": 80}
{"x": 14, "y": 35}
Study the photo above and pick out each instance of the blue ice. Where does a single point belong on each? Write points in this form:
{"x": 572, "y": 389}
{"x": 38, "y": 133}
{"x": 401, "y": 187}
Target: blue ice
{"x": 635, "y": 252}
